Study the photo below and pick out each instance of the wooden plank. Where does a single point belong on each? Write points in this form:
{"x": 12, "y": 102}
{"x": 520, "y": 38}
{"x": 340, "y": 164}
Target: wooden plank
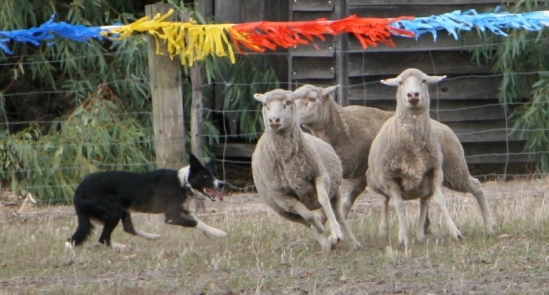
{"x": 463, "y": 87}
{"x": 426, "y": 42}
{"x": 167, "y": 100}
{"x": 456, "y": 110}
{"x": 319, "y": 68}
{"x": 310, "y": 15}
{"x": 313, "y": 5}
{"x": 234, "y": 150}
{"x": 484, "y": 153}
{"x": 498, "y": 158}
{"x": 318, "y": 48}
{"x": 385, "y": 11}
{"x": 422, "y": 2}
{"x": 390, "y": 63}
{"x": 239, "y": 11}
{"x": 482, "y": 131}
{"x": 488, "y": 152}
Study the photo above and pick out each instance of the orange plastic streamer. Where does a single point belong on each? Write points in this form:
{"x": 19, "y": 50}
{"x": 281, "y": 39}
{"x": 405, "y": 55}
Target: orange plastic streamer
{"x": 259, "y": 36}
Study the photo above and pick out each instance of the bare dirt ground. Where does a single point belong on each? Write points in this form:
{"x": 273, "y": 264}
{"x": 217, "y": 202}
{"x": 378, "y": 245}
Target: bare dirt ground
{"x": 513, "y": 261}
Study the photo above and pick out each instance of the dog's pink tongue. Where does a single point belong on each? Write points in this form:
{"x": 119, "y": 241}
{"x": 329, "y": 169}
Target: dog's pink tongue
{"x": 214, "y": 193}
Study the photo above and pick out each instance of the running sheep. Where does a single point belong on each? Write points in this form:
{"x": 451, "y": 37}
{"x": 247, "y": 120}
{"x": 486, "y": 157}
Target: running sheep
{"x": 339, "y": 126}
{"x": 405, "y": 160}
{"x": 295, "y": 172}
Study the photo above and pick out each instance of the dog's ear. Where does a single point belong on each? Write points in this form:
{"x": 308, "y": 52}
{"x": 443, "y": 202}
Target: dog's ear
{"x": 194, "y": 163}
{"x": 211, "y": 163}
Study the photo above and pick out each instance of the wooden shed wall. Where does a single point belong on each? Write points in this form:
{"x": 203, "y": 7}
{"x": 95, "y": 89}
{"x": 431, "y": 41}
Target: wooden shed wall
{"x": 466, "y": 101}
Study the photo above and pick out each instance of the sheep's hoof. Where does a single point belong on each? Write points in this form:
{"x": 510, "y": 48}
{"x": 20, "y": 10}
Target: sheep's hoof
{"x": 457, "y": 236}
{"x": 403, "y": 246}
{"x": 490, "y": 229}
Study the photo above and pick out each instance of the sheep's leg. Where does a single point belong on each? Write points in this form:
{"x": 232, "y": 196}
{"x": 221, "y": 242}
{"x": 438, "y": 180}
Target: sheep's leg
{"x": 353, "y": 187}
{"x": 478, "y": 193}
{"x": 438, "y": 198}
{"x": 341, "y": 218}
{"x": 400, "y": 208}
{"x": 423, "y": 209}
{"x": 322, "y": 184}
{"x": 350, "y": 190}
{"x": 292, "y": 205}
{"x": 384, "y": 224}
{"x": 321, "y": 239}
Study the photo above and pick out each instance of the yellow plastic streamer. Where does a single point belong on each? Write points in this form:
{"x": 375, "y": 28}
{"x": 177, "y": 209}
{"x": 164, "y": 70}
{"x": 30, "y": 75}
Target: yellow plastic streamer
{"x": 189, "y": 41}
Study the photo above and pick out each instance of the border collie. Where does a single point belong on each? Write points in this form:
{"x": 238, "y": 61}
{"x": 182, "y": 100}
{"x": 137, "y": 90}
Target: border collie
{"x": 108, "y": 197}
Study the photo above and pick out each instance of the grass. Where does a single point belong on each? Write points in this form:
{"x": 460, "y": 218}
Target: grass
{"x": 265, "y": 254}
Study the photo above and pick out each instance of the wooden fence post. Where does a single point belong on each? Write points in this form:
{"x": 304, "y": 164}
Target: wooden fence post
{"x": 167, "y": 100}
{"x": 342, "y": 74}
{"x": 195, "y": 73}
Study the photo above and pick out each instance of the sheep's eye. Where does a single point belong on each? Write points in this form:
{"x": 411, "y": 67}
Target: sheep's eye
{"x": 289, "y": 102}
{"x": 424, "y": 80}
{"x": 312, "y": 99}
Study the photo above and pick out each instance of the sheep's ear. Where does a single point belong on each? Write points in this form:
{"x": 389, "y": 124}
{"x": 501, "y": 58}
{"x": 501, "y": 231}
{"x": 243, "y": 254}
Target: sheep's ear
{"x": 301, "y": 92}
{"x": 434, "y": 79}
{"x": 259, "y": 97}
{"x": 391, "y": 81}
{"x": 328, "y": 90}
{"x": 291, "y": 96}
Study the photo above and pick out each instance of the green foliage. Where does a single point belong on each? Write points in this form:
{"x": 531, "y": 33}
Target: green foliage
{"x": 251, "y": 75}
{"x": 96, "y": 98}
{"x": 96, "y": 135}
{"x": 523, "y": 62}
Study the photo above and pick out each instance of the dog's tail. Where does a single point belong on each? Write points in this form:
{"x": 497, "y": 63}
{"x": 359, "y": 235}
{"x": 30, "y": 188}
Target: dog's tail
{"x": 83, "y": 231}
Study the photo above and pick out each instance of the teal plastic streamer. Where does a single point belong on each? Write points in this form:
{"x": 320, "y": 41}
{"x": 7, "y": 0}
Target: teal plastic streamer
{"x": 497, "y": 22}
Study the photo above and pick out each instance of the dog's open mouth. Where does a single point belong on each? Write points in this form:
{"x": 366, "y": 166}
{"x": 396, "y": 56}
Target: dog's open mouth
{"x": 213, "y": 193}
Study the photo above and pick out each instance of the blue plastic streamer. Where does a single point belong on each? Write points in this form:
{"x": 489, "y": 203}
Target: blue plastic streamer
{"x": 47, "y": 32}
{"x": 455, "y": 21}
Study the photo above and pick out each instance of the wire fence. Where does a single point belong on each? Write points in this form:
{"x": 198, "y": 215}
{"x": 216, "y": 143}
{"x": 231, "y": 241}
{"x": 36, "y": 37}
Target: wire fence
{"x": 509, "y": 148}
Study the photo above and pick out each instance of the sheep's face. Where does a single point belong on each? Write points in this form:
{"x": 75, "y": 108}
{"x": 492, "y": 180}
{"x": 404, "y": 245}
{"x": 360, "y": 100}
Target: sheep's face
{"x": 412, "y": 91}
{"x": 278, "y": 110}
{"x": 310, "y": 102}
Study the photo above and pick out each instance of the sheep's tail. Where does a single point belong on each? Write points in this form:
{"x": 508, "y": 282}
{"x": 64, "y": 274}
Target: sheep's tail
{"x": 83, "y": 231}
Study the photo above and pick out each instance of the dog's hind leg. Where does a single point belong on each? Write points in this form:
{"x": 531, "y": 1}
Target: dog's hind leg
{"x": 127, "y": 225}
{"x": 186, "y": 219}
{"x": 108, "y": 226}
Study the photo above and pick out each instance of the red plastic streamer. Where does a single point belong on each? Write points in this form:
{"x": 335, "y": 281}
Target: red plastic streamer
{"x": 259, "y": 36}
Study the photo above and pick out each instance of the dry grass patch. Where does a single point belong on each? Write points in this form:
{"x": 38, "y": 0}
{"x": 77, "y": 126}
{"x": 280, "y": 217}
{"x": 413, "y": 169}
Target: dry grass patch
{"x": 264, "y": 254}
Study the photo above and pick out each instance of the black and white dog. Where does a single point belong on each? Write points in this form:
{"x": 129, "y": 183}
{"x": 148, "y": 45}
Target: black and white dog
{"x": 108, "y": 197}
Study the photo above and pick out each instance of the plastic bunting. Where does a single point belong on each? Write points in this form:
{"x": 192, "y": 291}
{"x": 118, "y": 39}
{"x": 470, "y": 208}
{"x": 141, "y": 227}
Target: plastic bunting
{"x": 259, "y": 36}
{"x": 45, "y": 32}
{"x": 191, "y": 41}
{"x": 457, "y": 21}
